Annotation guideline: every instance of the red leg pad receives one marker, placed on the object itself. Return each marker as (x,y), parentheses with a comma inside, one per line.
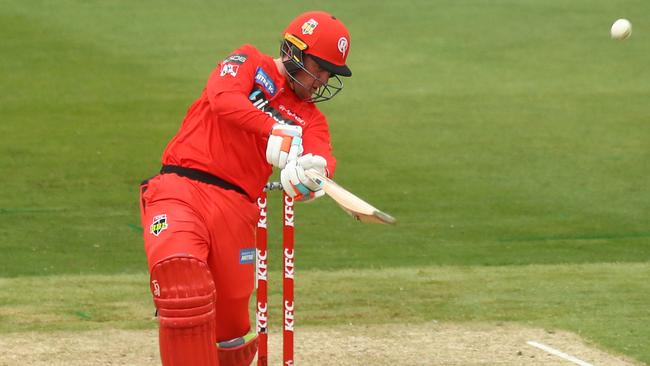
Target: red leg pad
(184,295)
(239,351)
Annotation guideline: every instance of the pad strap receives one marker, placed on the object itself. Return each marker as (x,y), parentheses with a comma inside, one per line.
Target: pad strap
(239,351)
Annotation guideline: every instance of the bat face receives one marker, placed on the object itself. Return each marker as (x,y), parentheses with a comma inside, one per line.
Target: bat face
(353,205)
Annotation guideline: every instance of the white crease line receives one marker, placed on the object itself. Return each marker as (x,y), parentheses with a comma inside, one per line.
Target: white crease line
(557,353)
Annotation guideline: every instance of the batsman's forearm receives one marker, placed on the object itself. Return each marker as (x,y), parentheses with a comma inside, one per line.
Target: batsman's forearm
(235,108)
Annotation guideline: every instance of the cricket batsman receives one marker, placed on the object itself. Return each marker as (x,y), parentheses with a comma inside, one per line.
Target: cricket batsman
(199,214)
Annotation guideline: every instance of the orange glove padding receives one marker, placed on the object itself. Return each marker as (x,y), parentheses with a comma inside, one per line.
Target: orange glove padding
(285,144)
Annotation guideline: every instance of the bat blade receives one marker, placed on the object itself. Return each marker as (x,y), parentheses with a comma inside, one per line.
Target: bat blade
(353,205)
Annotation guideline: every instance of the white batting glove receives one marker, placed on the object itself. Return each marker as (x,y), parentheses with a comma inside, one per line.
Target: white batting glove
(297,184)
(285,143)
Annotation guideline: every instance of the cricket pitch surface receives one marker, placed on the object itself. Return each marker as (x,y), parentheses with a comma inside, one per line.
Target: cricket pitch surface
(393,344)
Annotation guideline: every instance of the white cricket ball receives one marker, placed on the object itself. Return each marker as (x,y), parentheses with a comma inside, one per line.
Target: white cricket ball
(621,29)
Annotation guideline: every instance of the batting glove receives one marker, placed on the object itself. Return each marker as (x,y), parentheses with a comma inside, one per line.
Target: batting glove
(285,144)
(297,184)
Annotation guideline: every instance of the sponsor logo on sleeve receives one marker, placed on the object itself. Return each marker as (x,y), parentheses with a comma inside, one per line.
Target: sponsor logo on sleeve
(238,58)
(247,256)
(229,69)
(265,81)
(159,224)
(292,115)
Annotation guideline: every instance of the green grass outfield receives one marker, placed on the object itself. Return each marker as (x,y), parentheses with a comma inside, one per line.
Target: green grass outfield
(510,139)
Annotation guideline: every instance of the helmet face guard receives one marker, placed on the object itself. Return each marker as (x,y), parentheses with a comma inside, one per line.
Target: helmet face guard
(293,56)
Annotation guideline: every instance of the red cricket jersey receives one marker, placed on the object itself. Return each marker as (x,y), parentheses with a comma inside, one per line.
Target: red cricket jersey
(225,135)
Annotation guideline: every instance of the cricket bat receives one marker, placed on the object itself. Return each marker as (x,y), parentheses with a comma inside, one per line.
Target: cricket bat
(353,205)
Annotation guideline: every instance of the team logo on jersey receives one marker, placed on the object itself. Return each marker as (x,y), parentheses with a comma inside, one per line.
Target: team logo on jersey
(237,58)
(229,69)
(159,224)
(343,45)
(264,80)
(309,26)
(247,256)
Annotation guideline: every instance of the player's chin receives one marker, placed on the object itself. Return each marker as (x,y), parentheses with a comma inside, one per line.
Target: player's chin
(305,95)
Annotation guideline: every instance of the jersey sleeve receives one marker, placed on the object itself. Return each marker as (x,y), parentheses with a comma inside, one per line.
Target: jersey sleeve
(316,140)
(229,86)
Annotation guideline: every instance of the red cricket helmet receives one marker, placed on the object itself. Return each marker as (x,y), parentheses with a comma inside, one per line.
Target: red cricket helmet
(326,38)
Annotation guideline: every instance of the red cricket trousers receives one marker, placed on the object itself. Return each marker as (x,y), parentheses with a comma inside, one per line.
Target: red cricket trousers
(216,225)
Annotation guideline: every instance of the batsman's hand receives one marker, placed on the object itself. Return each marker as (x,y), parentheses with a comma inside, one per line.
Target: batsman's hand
(297,184)
(285,144)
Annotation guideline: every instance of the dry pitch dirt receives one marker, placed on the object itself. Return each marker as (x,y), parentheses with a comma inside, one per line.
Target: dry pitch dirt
(422,344)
